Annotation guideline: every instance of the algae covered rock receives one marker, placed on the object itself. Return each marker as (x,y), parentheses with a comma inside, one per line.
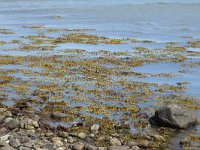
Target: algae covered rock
(174,116)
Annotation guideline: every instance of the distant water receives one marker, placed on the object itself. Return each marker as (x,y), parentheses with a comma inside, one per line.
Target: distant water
(162,20)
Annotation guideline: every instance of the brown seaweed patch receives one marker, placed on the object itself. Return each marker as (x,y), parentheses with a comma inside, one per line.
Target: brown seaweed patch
(5,31)
(85,39)
(36,47)
(194,44)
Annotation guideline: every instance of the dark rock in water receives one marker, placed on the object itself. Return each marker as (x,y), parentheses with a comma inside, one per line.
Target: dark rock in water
(58,115)
(174,116)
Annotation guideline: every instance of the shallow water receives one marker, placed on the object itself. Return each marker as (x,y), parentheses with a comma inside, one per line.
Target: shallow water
(159,21)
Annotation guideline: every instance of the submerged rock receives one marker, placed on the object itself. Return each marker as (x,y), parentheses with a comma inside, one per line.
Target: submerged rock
(174,116)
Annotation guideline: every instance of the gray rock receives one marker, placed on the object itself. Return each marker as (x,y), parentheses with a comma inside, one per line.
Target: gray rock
(174,116)
(118,148)
(115,142)
(14,142)
(12,124)
(7,119)
(78,146)
(58,115)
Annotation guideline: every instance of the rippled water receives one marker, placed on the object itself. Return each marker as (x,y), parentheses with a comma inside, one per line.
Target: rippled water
(158,20)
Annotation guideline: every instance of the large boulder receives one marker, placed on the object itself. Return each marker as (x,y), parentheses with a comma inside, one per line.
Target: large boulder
(174,116)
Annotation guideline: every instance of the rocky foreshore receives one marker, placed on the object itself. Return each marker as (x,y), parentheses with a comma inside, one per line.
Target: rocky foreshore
(23,131)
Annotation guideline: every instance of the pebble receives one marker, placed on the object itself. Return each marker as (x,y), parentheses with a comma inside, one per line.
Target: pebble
(131,143)
(95,128)
(78,146)
(71,140)
(135,148)
(58,144)
(49,134)
(54,139)
(115,142)
(118,148)
(92,135)
(28,144)
(82,135)
(144,144)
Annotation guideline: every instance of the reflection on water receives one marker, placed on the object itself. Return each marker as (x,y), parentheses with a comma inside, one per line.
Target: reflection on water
(157,21)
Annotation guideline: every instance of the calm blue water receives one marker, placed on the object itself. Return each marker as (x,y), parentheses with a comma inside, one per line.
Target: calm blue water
(161,20)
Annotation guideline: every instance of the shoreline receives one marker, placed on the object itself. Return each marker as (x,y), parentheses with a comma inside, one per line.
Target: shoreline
(21,130)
